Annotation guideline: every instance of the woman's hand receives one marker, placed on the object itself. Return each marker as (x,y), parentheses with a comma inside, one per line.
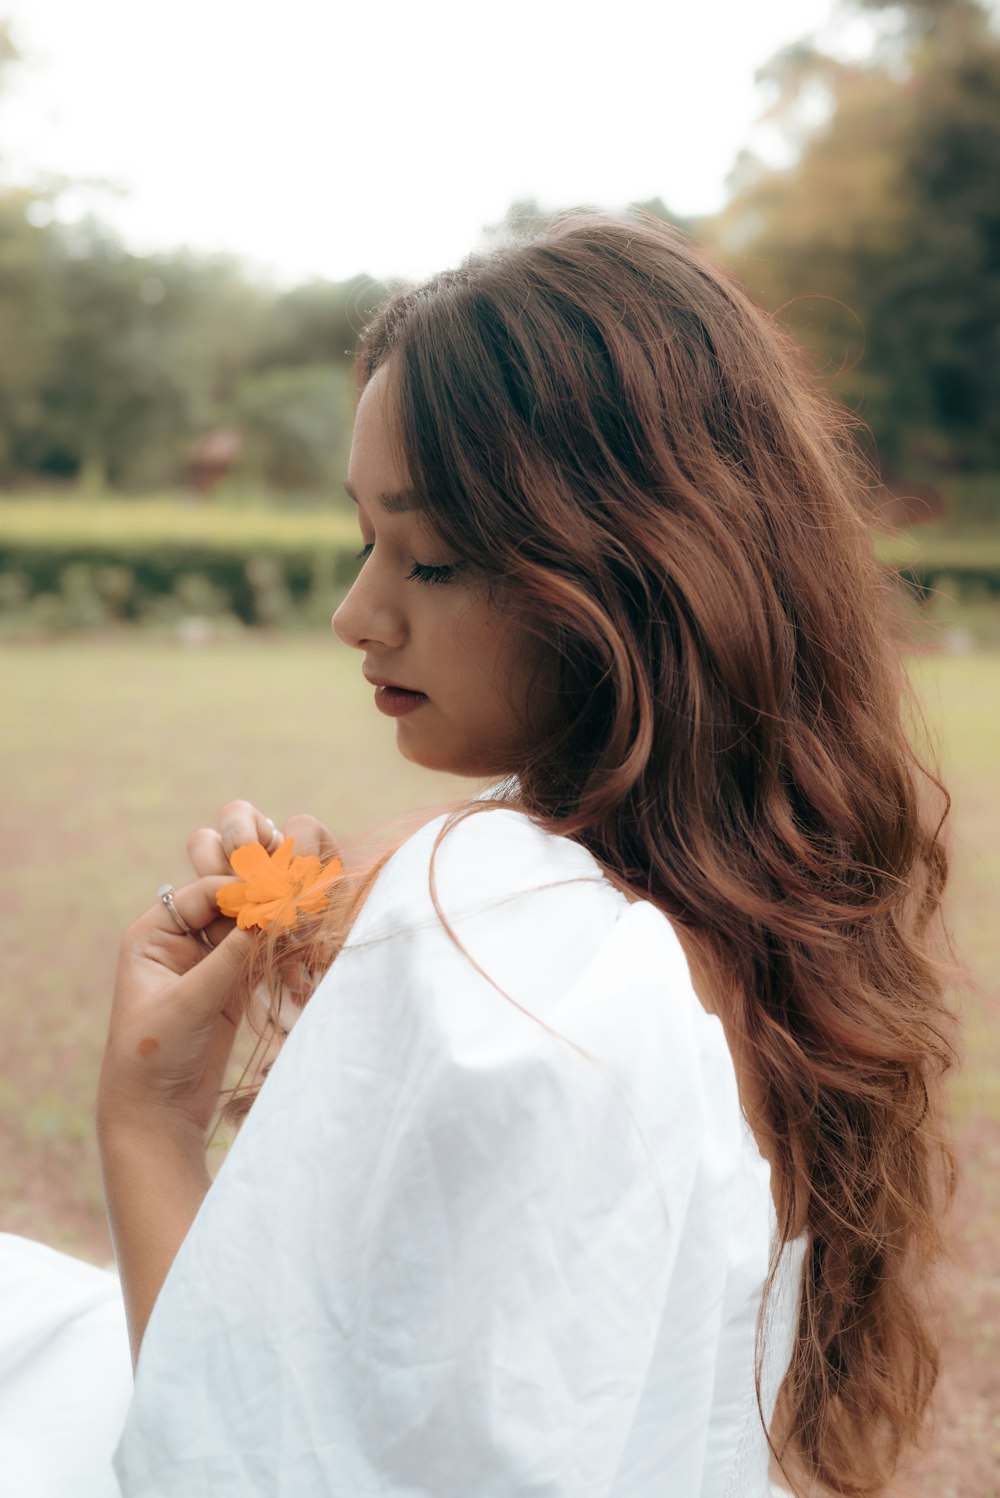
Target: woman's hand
(176,1009)
(176,1006)
(239,823)
(174,1016)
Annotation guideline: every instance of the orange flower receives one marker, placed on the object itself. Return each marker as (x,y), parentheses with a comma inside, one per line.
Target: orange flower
(275,888)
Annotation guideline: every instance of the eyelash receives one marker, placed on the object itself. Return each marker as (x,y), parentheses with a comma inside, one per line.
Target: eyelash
(421,572)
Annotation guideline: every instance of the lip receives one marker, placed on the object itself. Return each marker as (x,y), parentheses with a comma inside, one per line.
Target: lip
(396,701)
(383,681)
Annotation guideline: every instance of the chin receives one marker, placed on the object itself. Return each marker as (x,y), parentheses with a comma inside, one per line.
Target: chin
(447,761)
(428,756)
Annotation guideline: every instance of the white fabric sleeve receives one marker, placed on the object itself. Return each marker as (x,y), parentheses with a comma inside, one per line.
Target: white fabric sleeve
(435,1260)
(65,1373)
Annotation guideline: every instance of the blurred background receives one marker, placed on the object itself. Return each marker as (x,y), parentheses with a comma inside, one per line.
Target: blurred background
(201,207)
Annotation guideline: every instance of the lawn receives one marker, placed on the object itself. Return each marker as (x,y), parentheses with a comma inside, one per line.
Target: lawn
(113,750)
(110,754)
(139,524)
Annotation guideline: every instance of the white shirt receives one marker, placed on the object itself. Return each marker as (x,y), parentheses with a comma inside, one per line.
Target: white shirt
(65,1373)
(449,1255)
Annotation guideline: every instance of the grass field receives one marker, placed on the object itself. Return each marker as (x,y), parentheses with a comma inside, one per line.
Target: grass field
(136,524)
(112,751)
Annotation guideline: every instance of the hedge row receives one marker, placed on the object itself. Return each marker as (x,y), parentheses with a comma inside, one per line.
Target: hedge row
(67,562)
(272,569)
(136,525)
(928,557)
(78,584)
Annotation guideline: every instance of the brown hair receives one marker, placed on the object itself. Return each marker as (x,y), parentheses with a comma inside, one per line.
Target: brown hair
(601,421)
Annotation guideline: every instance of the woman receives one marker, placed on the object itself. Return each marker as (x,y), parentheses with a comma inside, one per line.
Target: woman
(618,1107)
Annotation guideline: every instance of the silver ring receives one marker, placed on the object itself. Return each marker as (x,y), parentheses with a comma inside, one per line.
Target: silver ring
(166,894)
(277,838)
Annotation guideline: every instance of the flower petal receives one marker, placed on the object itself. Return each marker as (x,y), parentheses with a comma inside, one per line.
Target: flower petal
(314,895)
(282,855)
(249,859)
(230,898)
(304,869)
(275,889)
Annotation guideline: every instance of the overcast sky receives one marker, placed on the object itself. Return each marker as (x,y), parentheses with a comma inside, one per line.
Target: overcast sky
(320,138)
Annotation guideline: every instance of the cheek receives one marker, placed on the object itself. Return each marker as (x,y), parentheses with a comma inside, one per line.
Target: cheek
(469,645)
(527,677)
(544,692)
(498,670)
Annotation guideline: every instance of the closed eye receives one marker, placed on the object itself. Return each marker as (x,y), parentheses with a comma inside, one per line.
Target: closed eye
(427,574)
(423,572)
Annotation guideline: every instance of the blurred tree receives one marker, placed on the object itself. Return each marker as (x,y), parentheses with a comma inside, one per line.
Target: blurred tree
(657,208)
(525,216)
(296,424)
(936,18)
(318,323)
(9,51)
(881,242)
(26,300)
(113,366)
(147,349)
(28,323)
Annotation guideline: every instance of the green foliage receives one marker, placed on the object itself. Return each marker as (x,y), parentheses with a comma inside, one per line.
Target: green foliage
(525,217)
(881,243)
(28,325)
(931,17)
(114,365)
(318,323)
(67,566)
(952,581)
(297,422)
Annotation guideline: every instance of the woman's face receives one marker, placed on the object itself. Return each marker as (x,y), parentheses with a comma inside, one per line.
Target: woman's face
(469,690)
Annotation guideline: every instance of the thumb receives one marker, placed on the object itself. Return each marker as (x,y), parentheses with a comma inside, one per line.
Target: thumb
(213,982)
(218,976)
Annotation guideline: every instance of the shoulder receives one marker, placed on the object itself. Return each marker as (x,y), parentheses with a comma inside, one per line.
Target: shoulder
(493,904)
(527,996)
(477,860)
(527,928)
(543,912)
(481,904)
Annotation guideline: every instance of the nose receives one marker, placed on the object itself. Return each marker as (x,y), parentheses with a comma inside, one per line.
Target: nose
(368,615)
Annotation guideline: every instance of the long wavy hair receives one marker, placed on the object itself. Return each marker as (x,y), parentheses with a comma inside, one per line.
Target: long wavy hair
(601,422)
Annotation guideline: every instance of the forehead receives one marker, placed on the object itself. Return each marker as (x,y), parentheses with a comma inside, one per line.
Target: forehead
(377,464)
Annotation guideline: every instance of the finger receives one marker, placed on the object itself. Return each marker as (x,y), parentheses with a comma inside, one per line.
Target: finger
(240,823)
(207,857)
(212,978)
(311,836)
(206,852)
(194,904)
(214,934)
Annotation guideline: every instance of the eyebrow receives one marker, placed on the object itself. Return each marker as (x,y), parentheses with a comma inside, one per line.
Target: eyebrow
(393,504)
